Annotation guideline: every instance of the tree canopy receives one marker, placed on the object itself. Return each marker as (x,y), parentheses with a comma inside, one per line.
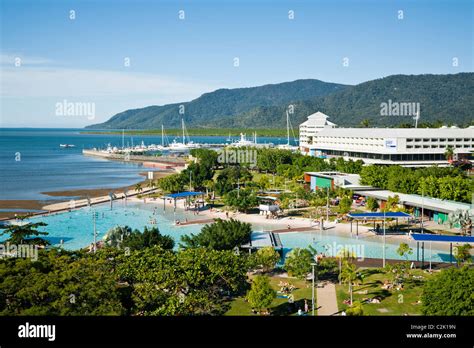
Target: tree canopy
(449,293)
(221,235)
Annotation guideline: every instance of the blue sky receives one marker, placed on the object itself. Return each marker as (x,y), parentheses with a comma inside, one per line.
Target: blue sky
(171,59)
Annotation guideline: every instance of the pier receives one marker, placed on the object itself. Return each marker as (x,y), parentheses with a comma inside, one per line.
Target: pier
(164,161)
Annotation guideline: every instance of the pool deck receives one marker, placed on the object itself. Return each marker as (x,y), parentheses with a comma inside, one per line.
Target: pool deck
(296,229)
(74,204)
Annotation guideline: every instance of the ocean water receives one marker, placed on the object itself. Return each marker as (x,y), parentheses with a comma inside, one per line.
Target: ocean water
(32,162)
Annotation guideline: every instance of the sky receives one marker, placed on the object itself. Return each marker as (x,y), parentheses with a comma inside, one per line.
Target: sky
(124,54)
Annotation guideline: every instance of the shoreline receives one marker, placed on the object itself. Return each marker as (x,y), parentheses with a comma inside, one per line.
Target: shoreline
(96,195)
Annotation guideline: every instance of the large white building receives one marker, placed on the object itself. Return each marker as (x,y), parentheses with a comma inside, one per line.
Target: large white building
(403,146)
(315,123)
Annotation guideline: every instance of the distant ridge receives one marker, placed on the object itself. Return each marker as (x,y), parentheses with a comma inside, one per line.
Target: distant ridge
(447,99)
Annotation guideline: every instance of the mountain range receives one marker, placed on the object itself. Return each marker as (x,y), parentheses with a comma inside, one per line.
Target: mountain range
(443,99)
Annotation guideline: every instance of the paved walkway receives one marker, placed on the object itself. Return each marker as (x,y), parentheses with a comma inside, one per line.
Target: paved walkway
(327,301)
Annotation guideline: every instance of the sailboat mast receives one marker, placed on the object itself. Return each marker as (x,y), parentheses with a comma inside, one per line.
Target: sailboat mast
(123,138)
(182,124)
(288,126)
(162,136)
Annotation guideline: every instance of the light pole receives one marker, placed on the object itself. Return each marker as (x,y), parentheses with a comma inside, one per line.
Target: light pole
(383,264)
(422,207)
(95,215)
(313,264)
(327,205)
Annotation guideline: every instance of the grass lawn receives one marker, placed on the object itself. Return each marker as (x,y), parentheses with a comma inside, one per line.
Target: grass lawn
(393,302)
(280,306)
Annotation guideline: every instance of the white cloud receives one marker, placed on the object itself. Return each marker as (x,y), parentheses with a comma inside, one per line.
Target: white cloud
(29,93)
(64,82)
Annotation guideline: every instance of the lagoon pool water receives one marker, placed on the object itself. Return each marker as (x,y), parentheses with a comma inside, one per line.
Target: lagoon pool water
(329,243)
(75,228)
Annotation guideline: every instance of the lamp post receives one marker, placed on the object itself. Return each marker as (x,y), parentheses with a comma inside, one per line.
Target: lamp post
(422,207)
(327,205)
(383,254)
(312,290)
(190,182)
(95,215)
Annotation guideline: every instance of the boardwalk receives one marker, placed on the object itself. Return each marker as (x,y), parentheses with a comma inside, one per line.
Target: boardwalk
(327,300)
(296,229)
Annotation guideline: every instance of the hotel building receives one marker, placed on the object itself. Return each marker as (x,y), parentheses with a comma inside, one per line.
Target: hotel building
(315,123)
(404,146)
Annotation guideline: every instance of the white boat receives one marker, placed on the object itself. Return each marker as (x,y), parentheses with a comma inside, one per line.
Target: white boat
(183,145)
(244,141)
(287,146)
(66,145)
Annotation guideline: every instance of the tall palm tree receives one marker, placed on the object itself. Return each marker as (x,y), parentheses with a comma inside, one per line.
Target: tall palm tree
(21,233)
(449,153)
(365,123)
(350,276)
(344,255)
(138,187)
(151,184)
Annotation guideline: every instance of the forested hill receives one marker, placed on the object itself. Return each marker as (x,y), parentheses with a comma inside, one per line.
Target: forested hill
(219,105)
(443,99)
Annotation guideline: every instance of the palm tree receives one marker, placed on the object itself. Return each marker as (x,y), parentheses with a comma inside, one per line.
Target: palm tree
(365,123)
(344,255)
(138,187)
(350,276)
(449,153)
(151,184)
(20,233)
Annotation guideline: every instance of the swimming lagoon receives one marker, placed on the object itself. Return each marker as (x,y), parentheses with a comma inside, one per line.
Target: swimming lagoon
(76,230)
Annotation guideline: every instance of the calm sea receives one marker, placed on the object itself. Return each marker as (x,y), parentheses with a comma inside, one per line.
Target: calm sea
(32,162)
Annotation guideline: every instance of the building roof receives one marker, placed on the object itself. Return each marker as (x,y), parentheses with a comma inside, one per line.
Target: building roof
(423,237)
(344,180)
(318,119)
(398,132)
(434,204)
(184,194)
(378,216)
